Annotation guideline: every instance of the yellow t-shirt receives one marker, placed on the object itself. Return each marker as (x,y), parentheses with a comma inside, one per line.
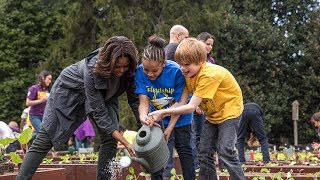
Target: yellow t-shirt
(129,135)
(221,94)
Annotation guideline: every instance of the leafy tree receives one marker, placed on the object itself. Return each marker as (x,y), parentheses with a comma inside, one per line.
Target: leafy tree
(268,62)
(26,29)
(271,47)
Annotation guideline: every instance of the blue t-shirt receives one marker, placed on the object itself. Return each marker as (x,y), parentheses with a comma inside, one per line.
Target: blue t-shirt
(163,91)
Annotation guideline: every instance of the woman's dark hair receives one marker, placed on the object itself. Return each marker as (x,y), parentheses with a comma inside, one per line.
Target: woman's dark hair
(154,51)
(115,48)
(205,36)
(315,117)
(41,77)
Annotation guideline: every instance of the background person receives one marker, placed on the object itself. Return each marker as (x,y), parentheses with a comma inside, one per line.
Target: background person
(315,120)
(177,34)
(37,98)
(25,120)
(14,126)
(6,132)
(89,88)
(252,120)
(127,134)
(208,39)
(84,135)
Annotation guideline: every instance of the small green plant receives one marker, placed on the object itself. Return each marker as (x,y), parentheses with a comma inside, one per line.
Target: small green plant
(314,176)
(289,175)
(3,143)
(132,175)
(23,138)
(265,170)
(47,160)
(15,158)
(277,176)
(65,159)
(244,167)
(93,157)
(174,175)
(259,178)
(82,158)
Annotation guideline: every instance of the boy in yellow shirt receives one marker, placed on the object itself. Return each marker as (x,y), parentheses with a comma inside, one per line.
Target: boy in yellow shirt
(127,134)
(217,93)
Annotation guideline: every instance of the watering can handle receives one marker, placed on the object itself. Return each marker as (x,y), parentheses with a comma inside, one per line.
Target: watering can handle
(144,135)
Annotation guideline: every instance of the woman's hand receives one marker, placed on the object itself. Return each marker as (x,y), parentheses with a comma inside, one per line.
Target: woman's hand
(130,149)
(45,98)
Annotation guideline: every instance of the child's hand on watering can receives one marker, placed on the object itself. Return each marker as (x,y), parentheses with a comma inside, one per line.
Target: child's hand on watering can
(199,111)
(151,122)
(156,115)
(148,121)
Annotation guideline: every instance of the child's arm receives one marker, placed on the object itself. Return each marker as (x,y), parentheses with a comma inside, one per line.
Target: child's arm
(143,111)
(184,109)
(172,123)
(143,108)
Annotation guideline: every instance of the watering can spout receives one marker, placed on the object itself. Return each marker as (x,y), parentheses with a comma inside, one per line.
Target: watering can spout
(141,161)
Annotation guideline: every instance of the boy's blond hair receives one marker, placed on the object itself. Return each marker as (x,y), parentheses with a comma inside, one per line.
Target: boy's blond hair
(190,51)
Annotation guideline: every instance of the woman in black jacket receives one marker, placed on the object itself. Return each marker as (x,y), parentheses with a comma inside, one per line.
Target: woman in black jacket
(91,88)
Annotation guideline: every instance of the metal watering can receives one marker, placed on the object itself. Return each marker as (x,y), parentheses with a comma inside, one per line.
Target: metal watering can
(151,149)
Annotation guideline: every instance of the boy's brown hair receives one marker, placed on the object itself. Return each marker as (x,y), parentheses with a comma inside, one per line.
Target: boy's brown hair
(190,51)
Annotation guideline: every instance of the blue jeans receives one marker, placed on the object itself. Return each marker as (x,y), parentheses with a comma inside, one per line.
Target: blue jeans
(36,122)
(221,138)
(79,144)
(197,124)
(180,138)
(254,120)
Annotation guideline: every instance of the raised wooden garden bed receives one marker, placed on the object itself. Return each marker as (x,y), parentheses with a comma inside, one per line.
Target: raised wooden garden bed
(41,174)
(275,169)
(272,176)
(88,171)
